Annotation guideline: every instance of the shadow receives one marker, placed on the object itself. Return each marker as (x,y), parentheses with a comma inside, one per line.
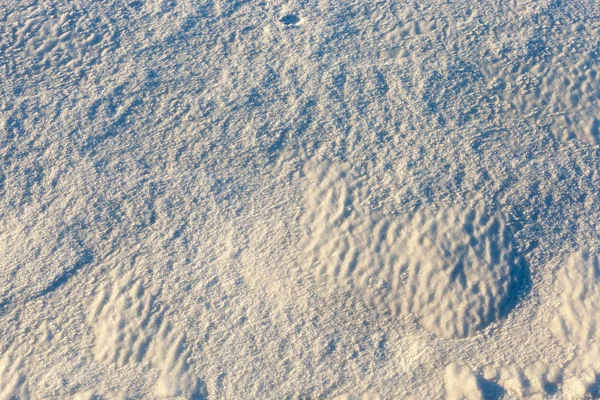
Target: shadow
(277,146)
(551,388)
(290,19)
(594,389)
(201,393)
(380,351)
(86,258)
(520,285)
(490,390)
(4,303)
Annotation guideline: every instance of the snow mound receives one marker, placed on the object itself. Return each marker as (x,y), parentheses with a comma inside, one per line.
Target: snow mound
(130,327)
(577,283)
(461,383)
(13,383)
(457,268)
(535,380)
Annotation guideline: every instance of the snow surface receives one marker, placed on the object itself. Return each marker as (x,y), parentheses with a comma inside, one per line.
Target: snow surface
(241,199)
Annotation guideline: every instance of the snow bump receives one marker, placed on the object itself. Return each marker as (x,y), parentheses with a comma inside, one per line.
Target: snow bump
(456,269)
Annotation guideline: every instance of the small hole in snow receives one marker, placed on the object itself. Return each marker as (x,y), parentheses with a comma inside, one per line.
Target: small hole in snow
(290,19)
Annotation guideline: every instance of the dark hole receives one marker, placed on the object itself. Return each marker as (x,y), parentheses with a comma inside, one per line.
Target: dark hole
(290,19)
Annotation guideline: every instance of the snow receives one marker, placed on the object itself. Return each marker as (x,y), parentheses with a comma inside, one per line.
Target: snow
(299,199)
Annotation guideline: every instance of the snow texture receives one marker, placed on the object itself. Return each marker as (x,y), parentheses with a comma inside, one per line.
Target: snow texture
(303,199)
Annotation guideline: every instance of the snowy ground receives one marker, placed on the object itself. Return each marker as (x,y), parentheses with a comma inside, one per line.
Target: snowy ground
(238,199)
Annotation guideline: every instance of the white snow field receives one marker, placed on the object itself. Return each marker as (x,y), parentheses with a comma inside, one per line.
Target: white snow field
(303,199)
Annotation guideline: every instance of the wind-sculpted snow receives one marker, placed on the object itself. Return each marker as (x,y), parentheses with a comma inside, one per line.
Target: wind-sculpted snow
(576,321)
(306,199)
(130,327)
(13,382)
(457,268)
(461,383)
(53,38)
